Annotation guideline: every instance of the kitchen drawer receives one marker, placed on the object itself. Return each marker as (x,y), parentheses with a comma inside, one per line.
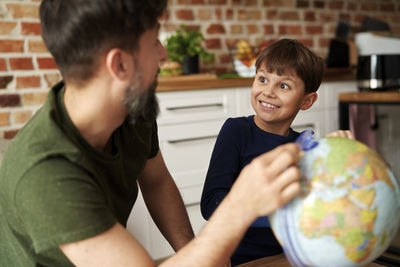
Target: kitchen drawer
(187,150)
(187,106)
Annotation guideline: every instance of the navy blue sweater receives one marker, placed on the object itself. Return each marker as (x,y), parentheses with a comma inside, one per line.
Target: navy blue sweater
(238,143)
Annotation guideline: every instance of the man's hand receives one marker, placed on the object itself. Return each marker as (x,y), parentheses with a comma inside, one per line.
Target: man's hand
(341,133)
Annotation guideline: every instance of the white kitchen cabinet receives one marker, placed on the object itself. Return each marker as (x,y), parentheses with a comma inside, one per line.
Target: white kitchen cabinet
(186,149)
(188,125)
(330,102)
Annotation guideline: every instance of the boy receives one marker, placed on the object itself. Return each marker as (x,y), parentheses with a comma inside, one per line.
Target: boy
(287,78)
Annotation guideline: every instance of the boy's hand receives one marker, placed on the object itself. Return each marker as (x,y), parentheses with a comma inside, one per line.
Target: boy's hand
(341,133)
(268,182)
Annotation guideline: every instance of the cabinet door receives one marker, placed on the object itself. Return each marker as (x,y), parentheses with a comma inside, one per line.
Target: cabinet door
(187,150)
(243,102)
(330,102)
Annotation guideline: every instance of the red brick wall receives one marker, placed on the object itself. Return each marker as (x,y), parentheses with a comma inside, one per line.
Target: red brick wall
(313,22)
(27,70)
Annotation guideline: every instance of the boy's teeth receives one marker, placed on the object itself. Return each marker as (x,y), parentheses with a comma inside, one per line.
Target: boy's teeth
(267,105)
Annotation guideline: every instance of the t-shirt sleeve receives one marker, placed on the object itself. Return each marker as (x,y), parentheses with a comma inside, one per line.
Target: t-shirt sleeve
(223,169)
(60,203)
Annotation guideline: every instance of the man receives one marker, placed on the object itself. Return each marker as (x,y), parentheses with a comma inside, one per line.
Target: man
(68,179)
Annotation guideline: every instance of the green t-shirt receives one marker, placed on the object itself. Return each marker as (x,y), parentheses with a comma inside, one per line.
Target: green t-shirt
(55,188)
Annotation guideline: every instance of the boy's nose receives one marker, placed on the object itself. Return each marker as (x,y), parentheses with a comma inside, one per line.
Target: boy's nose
(268,90)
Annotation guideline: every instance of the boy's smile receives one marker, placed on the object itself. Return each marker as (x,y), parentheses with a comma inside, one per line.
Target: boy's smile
(276,99)
(268,106)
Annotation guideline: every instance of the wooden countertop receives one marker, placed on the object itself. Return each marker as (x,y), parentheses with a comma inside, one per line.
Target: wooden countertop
(200,81)
(371,97)
(211,81)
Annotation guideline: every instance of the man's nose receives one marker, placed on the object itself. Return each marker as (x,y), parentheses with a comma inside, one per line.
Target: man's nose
(162,52)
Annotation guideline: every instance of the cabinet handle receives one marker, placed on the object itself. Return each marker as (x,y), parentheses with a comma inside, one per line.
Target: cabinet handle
(196,106)
(191,139)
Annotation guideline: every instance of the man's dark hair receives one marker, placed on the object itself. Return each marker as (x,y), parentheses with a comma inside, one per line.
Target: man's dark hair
(78,32)
(290,54)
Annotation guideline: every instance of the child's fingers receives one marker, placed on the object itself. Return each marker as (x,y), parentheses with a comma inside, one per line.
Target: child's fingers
(345,134)
(341,133)
(333,134)
(349,135)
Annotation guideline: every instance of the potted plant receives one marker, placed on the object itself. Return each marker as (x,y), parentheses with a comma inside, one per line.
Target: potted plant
(185,47)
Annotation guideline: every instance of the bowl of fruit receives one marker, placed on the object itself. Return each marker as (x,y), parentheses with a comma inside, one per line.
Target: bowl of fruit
(244,59)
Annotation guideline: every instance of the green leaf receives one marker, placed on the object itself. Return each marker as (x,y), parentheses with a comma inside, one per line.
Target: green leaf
(186,42)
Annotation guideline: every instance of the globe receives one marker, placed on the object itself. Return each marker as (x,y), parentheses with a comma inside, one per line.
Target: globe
(348,210)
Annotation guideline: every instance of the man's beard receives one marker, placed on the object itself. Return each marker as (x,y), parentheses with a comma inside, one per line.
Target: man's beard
(141,103)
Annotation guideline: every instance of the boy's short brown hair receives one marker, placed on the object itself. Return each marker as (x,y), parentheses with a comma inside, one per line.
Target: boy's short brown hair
(290,54)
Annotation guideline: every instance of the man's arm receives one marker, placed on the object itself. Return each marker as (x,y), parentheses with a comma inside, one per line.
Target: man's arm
(115,247)
(264,185)
(165,203)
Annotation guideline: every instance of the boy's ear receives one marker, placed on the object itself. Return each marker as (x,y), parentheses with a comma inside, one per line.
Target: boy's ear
(119,64)
(309,100)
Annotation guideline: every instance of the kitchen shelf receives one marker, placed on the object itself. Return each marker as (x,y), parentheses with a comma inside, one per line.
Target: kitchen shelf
(211,81)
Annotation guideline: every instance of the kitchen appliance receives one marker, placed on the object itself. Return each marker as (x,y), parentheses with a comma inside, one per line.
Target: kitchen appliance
(378,66)
(339,51)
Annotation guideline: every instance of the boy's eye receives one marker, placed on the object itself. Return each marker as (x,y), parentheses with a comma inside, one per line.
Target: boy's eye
(284,86)
(262,79)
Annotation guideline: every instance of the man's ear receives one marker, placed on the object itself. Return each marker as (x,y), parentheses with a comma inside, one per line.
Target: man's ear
(119,64)
(309,100)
